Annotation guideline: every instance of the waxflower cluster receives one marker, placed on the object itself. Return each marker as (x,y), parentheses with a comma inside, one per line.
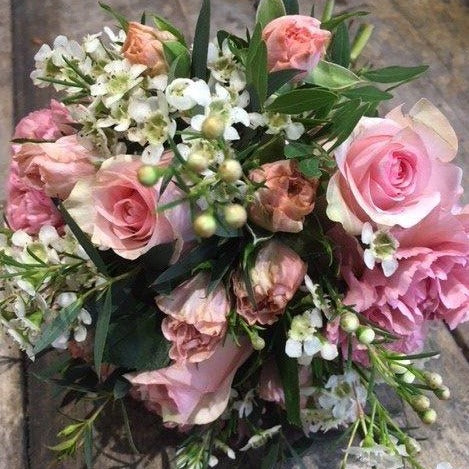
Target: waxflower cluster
(230,234)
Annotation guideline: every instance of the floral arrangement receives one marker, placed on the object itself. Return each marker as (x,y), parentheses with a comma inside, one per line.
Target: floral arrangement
(230,234)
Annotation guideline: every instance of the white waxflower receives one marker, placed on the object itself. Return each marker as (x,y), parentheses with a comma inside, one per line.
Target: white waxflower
(183,94)
(21,239)
(118,117)
(94,48)
(246,405)
(61,342)
(261,438)
(117,38)
(371,457)
(382,249)
(224,67)
(158,83)
(277,123)
(119,78)
(320,300)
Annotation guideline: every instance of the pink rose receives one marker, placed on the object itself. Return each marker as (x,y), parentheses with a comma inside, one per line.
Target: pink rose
(54,167)
(188,394)
(197,319)
(276,276)
(395,171)
(295,42)
(28,209)
(286,198)
(121,214)
(144,45)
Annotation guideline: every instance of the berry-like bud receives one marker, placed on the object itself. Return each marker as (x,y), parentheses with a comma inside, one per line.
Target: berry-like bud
(258,343)
(434,380)
(413,446)
(205,225)
(349,322)
(420,403)
(443,393)
(198,161)
(366,335)
(398,369)
(213,127)
(429,417)
(235,215)
(148,175)
(230,171)
(408,377)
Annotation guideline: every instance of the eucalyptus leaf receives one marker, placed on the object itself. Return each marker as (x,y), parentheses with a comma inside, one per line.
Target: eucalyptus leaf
(332,76)
(302,100)
(395,74)
(201,41)
(269,10)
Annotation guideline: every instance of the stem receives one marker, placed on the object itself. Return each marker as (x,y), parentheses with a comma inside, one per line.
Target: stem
(327,12)
(361,39)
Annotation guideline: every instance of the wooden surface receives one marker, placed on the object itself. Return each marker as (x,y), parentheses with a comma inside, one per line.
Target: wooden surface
(407,32)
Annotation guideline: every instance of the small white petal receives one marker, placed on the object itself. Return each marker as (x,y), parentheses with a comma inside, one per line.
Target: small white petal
(389,266)
(79,334)
(197,122)
(199,91)
(369,259)
(21,239)
(66,299)
(295,130)
(257,120)
(329,351)
(367,233)
(48,235)
(85,317)
(231,134)
(152,154)
(312,346)
(293,348)
(61,342)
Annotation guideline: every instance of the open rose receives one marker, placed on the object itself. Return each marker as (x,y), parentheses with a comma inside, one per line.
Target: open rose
(121,214)
(295,42)
(144,45)
(54,167)
(395,171)
(197,319)
(286,198)
(276,276)
(188,394)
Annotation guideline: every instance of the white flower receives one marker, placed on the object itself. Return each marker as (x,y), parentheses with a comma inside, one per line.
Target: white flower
(119,78)
(183,94)
(224,67)
(118,117)
(116,38)
(61,342)
(48,235)
(93,47)
(66,299)
(261,438)
(246,405)
(277,123)
(378,455)
(383,247)
(320,300)
(21,239)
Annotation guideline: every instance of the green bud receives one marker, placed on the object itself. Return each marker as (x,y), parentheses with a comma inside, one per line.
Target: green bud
(443,393)
(398,369)
(205,225)
(420,403)
(148,175)
(198,161)
(230,171)
(408,377)
(213,127)
(235,215)
(349,322)
(412,446)
(434,380)
(258,343)
(428,417)
(365,335)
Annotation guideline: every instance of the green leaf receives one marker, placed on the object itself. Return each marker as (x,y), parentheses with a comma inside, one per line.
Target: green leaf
(278,79)
(58,326)
(256,69)
(340,46)
(221,265)
(102,328)
(84,241)
(395,74)
(332,76)
(271,459)
(88,447)
(291,7)
(336,20)
(268,151)
(165,25)
(121,19)
(368,93)
(178,56)
(269,10)
(302,100)
(201,40)
(310,168)
(295,150)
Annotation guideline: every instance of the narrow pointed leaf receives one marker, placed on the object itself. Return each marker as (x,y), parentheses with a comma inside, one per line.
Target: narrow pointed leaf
(269,10)
(201,40)
(291,7)
(302,100)
(395,74)
(102,328)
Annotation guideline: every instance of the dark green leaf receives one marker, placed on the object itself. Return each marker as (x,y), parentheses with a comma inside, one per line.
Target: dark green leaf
(395,74)
(368,93)
(256,69)
(340,46)
(269,10)
(310,168)
(302,100)
(201,40)
(277,79)
(271,459)
(102,328)
(128,430)
(332,76)
(165,25)
(121,19)
(58,326)
(336,20)
(143,18)
(88,447)
(221,265)
(180,67)
(269,151)
(291,7)
(173,49)
(121,388)
(298,150)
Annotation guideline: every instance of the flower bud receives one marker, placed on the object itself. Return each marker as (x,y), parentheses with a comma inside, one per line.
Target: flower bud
(349,322)
(413,446)
(213,127)
(434,380)
(258,343)
(148,175)
(428,417)
(205,225)
(235,215)
(366,335)
(420,403)
(443,393)
(198,161)
(408,377)
(230,171)
(398,369)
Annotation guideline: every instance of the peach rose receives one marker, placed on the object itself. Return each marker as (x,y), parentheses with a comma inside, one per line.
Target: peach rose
(120,213)
(395,171)
(295,42)
(54,167)
(276,276)
(286,198)
(192,394)
(144,45)
(197,320)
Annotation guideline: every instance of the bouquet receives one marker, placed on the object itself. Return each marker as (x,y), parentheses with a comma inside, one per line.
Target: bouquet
(231,234)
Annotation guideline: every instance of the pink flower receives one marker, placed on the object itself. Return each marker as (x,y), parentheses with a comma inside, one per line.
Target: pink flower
(28,209)
(54,167)
(197,319)
(121,214)
(276,276)
(188,394)
(286,198)
(395,171)
(295,42)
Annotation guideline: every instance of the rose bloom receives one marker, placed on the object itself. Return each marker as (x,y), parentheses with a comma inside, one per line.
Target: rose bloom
(54,167)
(395,171)
(295,42)
(144,45)
(286,198)
(188,393)
(121,214)
(276,276)
(197,319)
